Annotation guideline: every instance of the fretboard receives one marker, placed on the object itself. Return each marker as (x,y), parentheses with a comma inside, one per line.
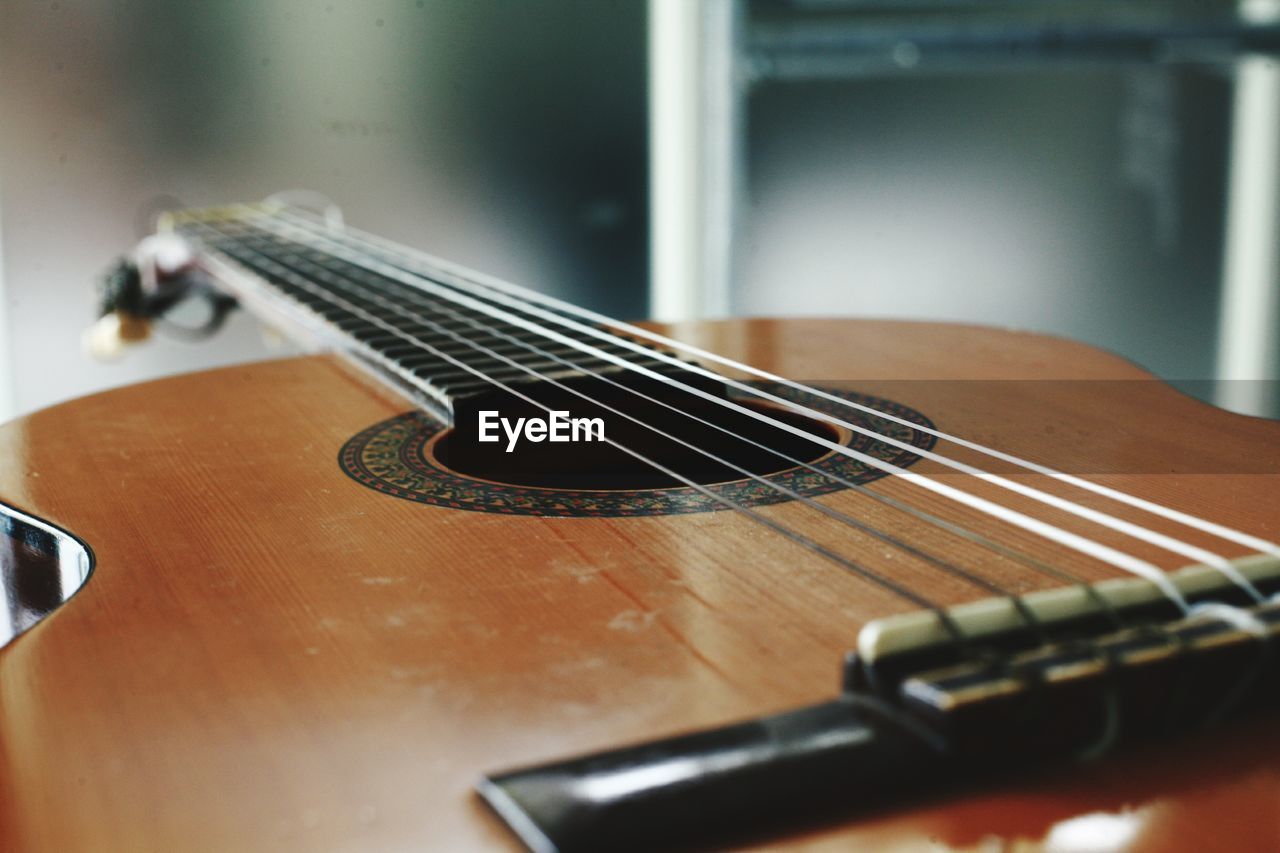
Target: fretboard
(408,326)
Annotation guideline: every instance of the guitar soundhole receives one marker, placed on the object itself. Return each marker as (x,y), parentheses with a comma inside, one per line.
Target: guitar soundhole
(413,457)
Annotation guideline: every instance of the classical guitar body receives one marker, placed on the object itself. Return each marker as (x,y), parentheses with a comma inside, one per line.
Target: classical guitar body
(287,645)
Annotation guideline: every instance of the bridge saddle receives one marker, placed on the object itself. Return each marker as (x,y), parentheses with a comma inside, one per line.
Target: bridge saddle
(1082,697)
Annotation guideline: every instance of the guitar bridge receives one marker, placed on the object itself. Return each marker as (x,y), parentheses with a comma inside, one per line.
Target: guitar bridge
(919,710)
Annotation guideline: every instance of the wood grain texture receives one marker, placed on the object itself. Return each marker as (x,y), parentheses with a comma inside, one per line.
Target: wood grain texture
(270,656)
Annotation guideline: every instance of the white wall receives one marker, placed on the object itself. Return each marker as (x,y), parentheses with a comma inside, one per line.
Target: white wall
(509,137)
(1079,203)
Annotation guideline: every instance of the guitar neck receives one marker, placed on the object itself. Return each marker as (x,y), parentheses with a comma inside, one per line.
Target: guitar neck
(427,332)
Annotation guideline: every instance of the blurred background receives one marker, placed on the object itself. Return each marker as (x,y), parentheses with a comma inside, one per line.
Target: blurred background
(1105,171)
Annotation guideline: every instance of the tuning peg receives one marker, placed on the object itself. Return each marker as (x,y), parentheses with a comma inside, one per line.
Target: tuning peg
(113,334)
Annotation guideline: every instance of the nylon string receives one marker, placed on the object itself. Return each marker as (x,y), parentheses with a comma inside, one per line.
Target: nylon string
(1074,541)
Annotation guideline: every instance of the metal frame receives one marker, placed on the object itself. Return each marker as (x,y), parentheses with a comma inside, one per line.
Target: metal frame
(704,55)
(695,140)
(1249,322)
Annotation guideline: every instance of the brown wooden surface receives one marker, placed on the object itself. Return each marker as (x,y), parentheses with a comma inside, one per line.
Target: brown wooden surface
(270,656)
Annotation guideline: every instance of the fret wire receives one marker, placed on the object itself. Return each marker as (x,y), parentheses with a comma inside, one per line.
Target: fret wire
(507,337)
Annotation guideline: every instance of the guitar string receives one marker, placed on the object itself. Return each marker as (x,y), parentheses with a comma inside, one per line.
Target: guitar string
(397,308)
(1144,569)
(492,354)
(329,277)
(1079,543)
(357,290)
(1100,603)
(945,618)
(1219,563)
(1093,548)
(437,266)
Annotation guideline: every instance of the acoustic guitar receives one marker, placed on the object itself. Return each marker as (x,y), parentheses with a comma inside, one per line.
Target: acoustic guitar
(490,571)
